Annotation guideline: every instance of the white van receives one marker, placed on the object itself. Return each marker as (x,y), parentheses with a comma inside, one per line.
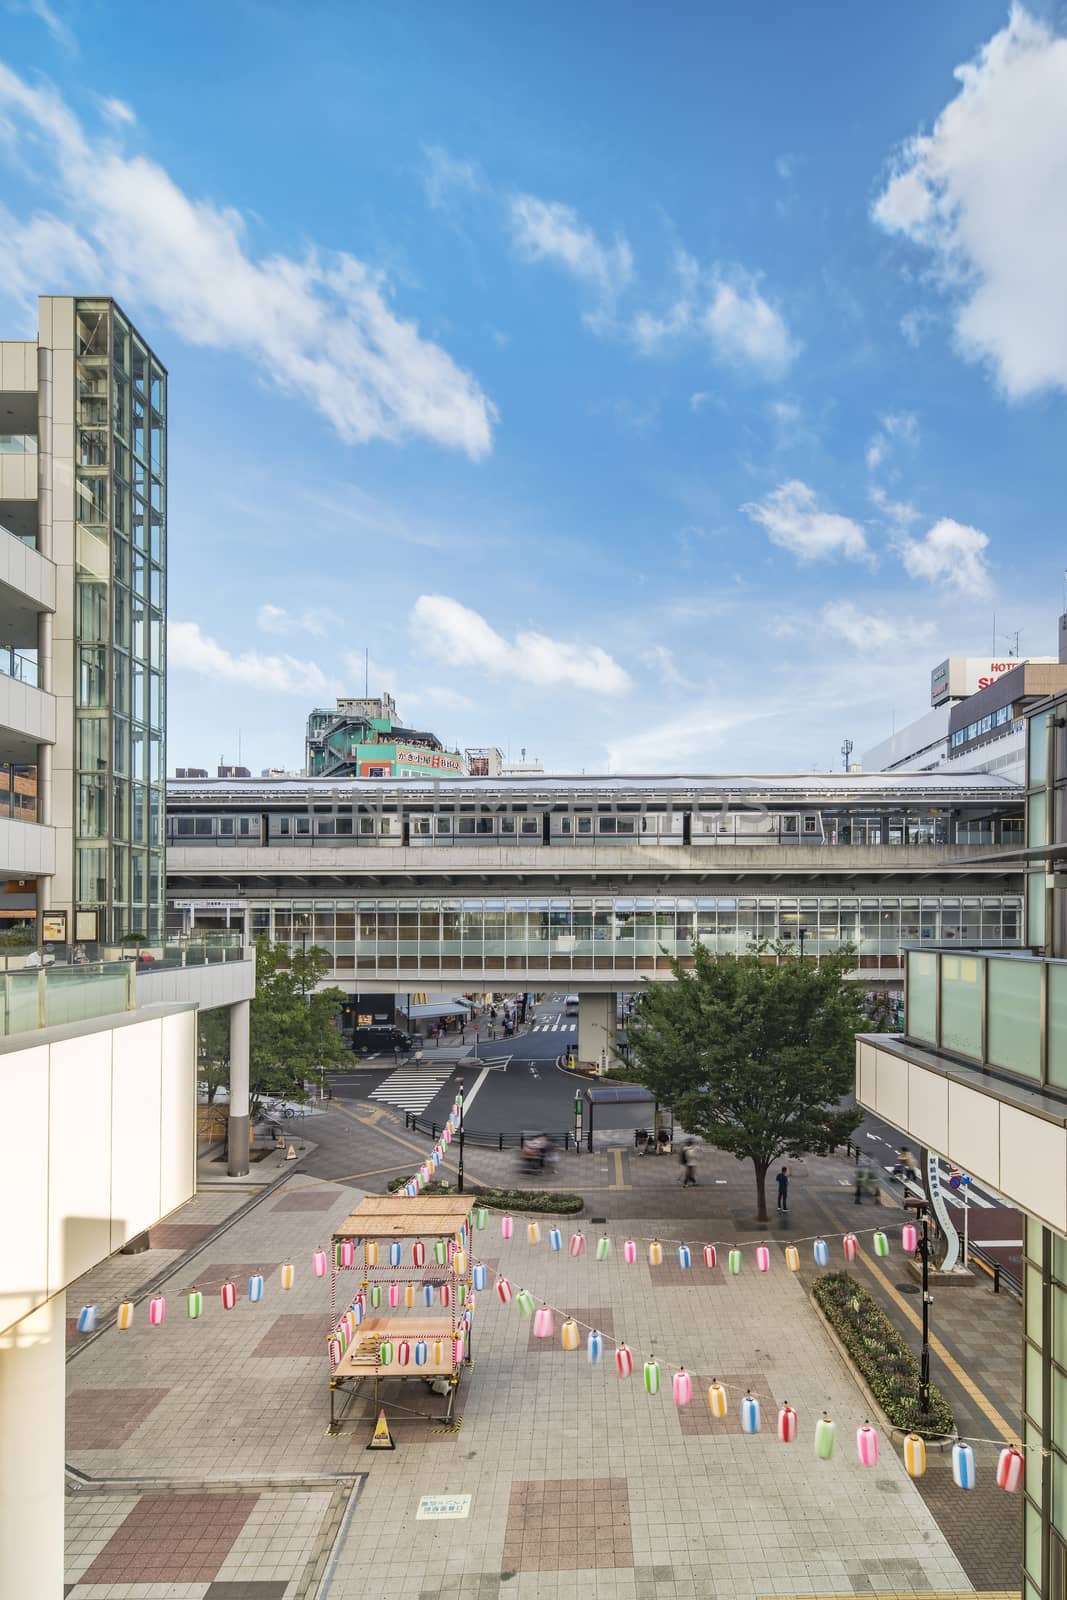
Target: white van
(570,1004)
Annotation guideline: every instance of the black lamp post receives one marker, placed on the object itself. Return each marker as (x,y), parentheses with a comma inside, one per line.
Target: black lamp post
(802,934)
(459,1097)
(922,1217)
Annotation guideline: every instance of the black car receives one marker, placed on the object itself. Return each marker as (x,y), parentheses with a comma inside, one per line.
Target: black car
(369,1040)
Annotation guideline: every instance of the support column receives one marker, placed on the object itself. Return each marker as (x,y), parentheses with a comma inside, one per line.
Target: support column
(596,1029)
(237,1127)
(32,1411)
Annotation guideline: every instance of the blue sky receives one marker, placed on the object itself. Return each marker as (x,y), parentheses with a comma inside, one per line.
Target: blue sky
(654,388)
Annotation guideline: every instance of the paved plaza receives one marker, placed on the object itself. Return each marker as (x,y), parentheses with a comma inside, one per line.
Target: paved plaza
(201,1464)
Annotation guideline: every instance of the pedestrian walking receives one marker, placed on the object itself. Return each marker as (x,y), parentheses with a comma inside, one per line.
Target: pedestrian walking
(782,1180)
(688,1158)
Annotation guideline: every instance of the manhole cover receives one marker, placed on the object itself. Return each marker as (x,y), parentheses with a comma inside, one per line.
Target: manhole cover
(908,1288)
(595,1220)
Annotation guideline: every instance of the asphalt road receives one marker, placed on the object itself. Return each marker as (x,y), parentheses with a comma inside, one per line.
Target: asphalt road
(512,1085)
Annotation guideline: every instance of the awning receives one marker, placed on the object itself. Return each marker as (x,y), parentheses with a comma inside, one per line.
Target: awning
(438,1008)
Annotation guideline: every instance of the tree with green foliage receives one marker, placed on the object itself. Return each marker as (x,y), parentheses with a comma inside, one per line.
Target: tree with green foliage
(295,1031)
(755,1053)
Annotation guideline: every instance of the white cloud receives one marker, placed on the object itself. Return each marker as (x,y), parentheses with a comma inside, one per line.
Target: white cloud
(698,400)
(951,554)
(866,631)
(445,178)
(900,513)
(320,326)
(462,637)
(60,31)
(682,743)
(275,619)
(901,427)
(118,111)
(725,306)
(792,518)
(190,650)
(986,194)
(547,230)
(661,660)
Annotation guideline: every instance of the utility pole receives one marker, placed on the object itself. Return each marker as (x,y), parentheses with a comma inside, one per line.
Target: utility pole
(846,752)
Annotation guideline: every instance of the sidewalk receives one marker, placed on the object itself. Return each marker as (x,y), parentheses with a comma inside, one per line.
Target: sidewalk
(580,1484)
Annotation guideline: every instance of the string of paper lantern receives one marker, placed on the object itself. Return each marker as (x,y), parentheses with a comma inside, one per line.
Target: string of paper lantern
(850,1246)
(1010,1461)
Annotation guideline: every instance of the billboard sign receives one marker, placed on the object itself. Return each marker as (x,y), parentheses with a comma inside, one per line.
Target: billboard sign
(961,676)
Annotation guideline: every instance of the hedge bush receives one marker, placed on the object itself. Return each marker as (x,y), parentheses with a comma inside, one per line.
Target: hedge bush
(506,1199)
(888,1366)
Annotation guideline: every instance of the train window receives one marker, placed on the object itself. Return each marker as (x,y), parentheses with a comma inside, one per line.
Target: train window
(342,825)
(563,824)
(607,824)
(444,825)
(303,825)
(385,826)
(533,824)
(226,827)
(789,824)
(466,825)
(183,827)
(485,824)
(507,824)
(420,826)
(366,825)
(282,824)
(585,824)
(625,825)
(247,825)
(811,824)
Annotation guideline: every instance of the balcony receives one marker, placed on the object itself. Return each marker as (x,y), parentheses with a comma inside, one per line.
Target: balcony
(45,997)
(1003,1013)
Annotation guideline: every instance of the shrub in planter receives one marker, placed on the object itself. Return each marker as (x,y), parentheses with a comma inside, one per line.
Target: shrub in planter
(506,1199)
(888,1366)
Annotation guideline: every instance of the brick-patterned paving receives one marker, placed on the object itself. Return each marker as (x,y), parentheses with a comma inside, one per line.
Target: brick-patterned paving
(250,1589)
(595,1316)
(563,1524)
(696,1418)
(306,1200)
(172,1538)
(103,1419)
(179,1235)
(300,1334)
(212,1275)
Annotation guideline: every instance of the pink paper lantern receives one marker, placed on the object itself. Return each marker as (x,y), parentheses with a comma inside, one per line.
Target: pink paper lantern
(578,1244)
(683,1388)
(318,1263)
(507,1225)
(850,1244)
(157,1310)
(867,1445)
(394,1296)
(1010,1469)
(787,1424)
(711,1258)
(446,1294)
(544,1325)
(763,1258)
(629,1252)
(909,1238)
(624,1361)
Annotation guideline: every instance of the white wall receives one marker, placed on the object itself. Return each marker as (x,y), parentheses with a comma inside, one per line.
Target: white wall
(1021,1155)
(105,1146)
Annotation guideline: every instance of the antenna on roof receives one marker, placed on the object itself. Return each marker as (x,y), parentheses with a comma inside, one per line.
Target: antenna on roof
(846,752)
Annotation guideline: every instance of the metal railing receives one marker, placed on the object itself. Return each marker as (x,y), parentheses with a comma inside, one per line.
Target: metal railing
(486,1141)
(18,665)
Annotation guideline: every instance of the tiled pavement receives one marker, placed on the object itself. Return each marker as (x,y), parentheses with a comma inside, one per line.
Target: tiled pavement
(710,1512)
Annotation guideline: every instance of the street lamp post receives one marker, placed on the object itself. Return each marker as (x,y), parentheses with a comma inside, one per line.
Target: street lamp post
(802,934)
(922,1217)
(459,1097)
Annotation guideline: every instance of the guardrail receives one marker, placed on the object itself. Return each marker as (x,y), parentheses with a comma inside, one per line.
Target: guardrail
(487,1141)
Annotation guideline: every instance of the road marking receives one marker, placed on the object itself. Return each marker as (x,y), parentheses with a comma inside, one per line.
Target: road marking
(468,1099)
(990,1244)
(411,1088)
(397,1138)
(618,1184)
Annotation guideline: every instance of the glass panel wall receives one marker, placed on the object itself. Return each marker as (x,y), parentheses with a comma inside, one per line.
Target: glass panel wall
(1014,1016)
(961,1005)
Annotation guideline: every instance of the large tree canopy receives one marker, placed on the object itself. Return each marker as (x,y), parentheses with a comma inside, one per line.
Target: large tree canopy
(755,1053)
(294,1027)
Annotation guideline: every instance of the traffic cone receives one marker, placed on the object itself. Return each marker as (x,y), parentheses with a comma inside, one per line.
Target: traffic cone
(290,1154)
(383,1439)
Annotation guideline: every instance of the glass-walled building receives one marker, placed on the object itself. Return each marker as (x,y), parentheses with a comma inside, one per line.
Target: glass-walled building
(121,542)
(980,1077)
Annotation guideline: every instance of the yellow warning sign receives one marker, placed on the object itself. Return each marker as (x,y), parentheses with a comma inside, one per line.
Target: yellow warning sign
(383,1439)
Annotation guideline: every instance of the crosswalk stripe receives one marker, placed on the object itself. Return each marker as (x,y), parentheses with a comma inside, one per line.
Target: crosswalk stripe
(410,1090)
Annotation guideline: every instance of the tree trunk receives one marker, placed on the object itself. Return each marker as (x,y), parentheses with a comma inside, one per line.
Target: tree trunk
(761,1191)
